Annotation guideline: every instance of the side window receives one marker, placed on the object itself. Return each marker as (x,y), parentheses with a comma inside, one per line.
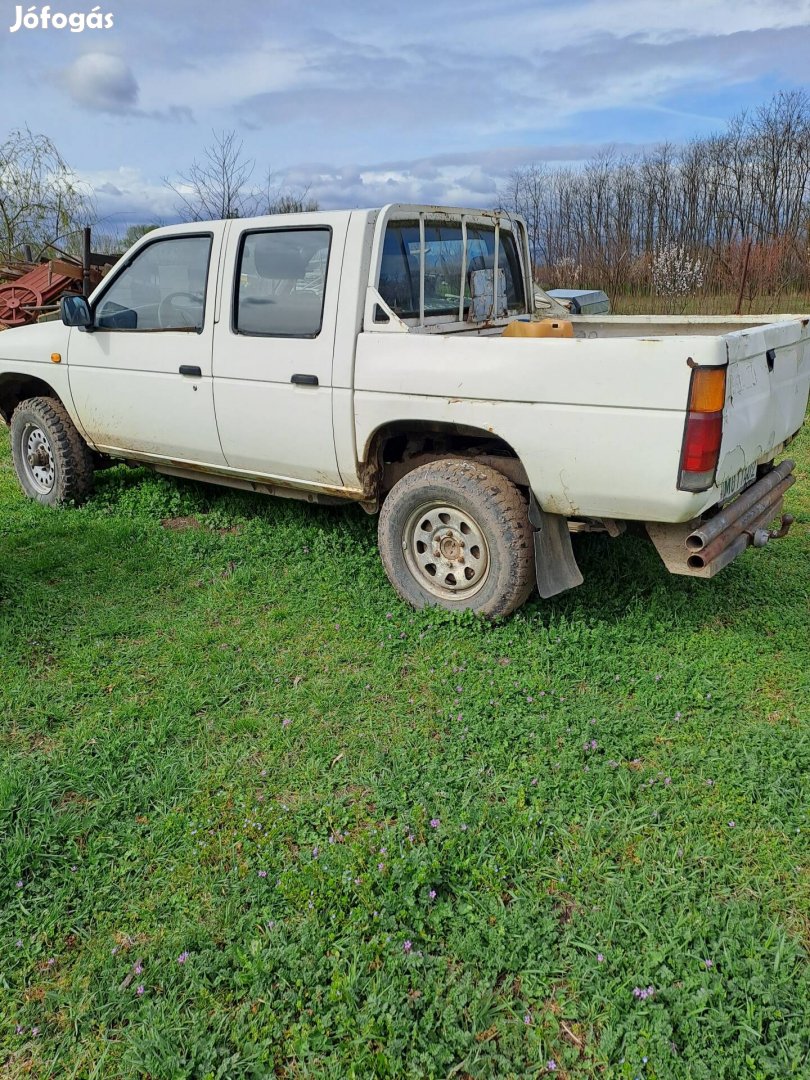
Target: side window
(280,282)
(162,289)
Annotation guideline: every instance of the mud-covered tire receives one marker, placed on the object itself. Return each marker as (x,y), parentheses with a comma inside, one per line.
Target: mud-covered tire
(456,534)
(53,463)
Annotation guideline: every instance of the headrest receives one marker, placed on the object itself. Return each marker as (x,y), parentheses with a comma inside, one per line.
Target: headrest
(284,257)
(279,260)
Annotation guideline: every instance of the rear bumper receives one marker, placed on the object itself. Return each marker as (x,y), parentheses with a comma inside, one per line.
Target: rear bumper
(704,546)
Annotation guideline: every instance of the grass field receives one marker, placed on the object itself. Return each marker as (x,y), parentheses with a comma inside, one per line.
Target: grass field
(644,303)
(257,818)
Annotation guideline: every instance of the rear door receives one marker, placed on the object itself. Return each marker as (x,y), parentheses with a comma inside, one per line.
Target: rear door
(273,349)
(140,377)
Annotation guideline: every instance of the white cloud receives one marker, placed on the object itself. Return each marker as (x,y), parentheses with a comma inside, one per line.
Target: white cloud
(101,82)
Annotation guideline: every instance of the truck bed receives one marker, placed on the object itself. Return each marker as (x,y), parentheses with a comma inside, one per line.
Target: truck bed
(598,424)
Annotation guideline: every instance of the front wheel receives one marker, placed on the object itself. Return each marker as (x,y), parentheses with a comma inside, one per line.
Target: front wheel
(53,463)
(457,535)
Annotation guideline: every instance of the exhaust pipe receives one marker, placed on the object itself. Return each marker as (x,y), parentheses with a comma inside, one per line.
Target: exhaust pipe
(702,549)
(746,527)
(757,494)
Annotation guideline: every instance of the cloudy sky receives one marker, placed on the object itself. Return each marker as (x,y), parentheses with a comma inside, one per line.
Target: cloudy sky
(368,103)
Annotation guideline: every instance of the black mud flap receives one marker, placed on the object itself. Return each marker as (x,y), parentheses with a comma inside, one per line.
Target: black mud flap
(555,565)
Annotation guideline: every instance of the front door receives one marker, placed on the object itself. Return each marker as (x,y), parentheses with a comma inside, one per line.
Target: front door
(274,347)
(140,377)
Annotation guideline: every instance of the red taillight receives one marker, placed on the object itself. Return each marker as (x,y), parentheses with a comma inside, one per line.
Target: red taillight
(704,429)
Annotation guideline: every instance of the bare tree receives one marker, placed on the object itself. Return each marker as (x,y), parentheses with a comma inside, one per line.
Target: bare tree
(216,186)
(43,205)
(709,199)
(279,200)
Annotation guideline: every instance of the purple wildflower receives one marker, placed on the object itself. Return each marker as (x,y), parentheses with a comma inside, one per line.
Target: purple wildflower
(286,721)
(181,959)
(262,873)
(643,992)
(19,884)
(138,968)
(432,894)
(407,946)
(708,964)
(527,1019)
(551,1065)
(316,852)
(600,959)
(139,989)
(732,824)
(435,823)
(19,1029)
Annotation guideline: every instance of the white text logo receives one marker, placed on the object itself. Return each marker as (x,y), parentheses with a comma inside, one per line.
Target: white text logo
(43,19)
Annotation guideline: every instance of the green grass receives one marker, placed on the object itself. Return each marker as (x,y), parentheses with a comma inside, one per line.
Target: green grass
(231,740)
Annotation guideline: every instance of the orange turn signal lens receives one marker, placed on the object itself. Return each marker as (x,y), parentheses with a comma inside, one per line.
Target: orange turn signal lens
(56,358)
(707,393)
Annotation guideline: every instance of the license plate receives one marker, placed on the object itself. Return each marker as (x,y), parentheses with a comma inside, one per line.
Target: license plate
(732,484)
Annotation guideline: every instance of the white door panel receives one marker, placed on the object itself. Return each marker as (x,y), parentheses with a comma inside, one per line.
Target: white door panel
(274,347)
(125,375)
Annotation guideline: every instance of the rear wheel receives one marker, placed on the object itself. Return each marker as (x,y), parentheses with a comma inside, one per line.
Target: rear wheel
(457,535)
(53,463)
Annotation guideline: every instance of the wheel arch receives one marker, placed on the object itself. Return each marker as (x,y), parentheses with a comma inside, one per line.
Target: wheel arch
(16,387)
(396,447)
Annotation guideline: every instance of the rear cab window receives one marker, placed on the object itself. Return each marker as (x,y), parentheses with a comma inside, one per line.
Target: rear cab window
(446,263)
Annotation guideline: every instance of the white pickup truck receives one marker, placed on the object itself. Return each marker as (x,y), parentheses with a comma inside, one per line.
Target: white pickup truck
(371,356)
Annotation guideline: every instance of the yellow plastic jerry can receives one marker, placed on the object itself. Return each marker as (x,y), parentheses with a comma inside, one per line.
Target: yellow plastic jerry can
(540,328)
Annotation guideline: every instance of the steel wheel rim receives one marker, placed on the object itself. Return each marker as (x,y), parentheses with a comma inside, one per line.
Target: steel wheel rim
(446,551)
(38,459)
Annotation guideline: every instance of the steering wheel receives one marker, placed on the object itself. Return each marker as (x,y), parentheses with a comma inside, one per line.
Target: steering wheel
(167,313)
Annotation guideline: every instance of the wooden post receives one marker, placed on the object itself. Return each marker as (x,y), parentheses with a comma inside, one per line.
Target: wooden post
(86,262)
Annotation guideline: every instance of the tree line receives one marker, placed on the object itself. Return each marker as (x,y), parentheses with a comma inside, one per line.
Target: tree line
(736,202)
(728,212)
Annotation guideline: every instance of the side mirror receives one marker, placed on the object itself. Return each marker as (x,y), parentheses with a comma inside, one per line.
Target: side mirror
(75,311)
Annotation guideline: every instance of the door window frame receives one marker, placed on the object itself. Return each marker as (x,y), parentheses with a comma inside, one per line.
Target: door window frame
(238,274)
(129,262)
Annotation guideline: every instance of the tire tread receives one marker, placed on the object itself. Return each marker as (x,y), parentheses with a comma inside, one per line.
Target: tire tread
(73,457)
